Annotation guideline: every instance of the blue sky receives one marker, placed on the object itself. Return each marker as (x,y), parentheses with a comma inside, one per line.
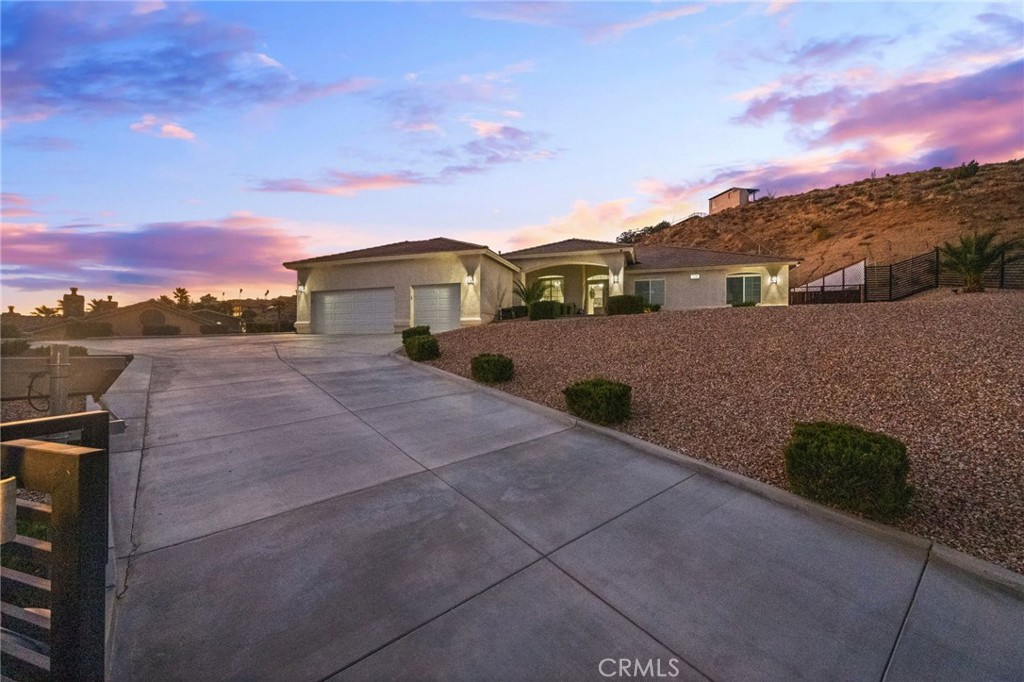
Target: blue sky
(152,145)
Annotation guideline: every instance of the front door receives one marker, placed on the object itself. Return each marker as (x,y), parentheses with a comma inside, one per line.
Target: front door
(596,291)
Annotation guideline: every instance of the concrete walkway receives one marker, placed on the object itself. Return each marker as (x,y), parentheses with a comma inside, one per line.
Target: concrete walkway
(309,508)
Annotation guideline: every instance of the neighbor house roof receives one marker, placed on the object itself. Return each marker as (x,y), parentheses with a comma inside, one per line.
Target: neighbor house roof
(567,246)
(121,311)
(396,250)
(677,257)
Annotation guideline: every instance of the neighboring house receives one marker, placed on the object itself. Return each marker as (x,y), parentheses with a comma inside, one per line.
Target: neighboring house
(130,320)
(212,317)
(731,198)
(440,282)
(449,284)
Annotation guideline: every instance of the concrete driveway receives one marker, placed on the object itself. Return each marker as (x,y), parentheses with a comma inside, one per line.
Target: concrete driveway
(309,508)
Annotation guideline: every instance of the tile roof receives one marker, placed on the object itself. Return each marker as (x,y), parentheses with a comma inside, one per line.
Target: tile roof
(669,257)
(398,249)
(565,246)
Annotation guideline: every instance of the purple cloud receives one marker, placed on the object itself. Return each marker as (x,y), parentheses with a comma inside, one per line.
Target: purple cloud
(240,248)
(831,51)
(496,144)
(102,58)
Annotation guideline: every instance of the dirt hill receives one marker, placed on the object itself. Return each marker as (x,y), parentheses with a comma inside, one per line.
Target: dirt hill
(884,220)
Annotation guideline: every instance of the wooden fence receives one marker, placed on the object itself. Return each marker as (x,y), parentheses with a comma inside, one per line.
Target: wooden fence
(53,609)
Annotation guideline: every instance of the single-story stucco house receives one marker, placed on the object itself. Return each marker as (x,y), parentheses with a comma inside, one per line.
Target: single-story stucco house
(448,284)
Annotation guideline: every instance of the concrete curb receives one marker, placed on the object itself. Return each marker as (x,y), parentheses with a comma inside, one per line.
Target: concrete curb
(978,568)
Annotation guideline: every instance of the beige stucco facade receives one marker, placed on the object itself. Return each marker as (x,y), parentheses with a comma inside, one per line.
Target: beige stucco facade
(708,288)
(490,290)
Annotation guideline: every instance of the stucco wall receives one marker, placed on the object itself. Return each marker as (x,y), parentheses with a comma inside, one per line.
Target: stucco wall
(490,278)
(681,292)
(731,199)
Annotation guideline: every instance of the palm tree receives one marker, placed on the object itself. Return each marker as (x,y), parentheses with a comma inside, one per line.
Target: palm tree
(45,311)
(975,254)
(181,297)
(531,294)
(95,305)
(165,299)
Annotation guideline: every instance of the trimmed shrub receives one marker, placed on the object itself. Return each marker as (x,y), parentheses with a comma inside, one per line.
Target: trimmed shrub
(625,305)
(160,330)
(492,368)
(744,304)
(546,310)
(850,468)
(514,312)
(420,348)
(10,348)
(421,330)
(83,329)
(601,401)
(653,308)
(214,329)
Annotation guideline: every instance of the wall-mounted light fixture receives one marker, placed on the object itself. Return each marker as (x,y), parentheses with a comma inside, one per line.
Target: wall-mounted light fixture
(301,289)
(615,279)
(694,275)
(774,279)
(469,280)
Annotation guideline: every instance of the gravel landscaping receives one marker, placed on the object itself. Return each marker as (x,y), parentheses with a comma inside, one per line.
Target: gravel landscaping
(944,373)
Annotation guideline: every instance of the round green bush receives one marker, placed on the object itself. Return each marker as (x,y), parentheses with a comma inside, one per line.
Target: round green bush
(420,348)
(601,401)
(848,467)
(492,368)
(625,304)
(421,330)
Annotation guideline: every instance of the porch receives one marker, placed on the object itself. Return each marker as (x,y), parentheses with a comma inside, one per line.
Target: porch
(582,287)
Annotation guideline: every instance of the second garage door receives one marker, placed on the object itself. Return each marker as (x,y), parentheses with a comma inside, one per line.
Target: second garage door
(357,311)
(439,305)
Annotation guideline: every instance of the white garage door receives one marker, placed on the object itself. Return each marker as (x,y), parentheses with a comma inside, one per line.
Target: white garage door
(439,305)
(362,311)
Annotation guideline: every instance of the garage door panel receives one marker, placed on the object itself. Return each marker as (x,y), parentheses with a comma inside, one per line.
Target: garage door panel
(438,305)
(354,311)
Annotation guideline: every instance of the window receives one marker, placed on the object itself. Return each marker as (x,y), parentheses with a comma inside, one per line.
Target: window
(742,289)
(554,288)
(651,290)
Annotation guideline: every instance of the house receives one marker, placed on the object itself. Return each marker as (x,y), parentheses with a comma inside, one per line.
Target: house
(449,284)
(216,318)
(130,320)
(731,198)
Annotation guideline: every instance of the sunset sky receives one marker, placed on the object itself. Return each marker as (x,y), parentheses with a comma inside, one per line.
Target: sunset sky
(153,145)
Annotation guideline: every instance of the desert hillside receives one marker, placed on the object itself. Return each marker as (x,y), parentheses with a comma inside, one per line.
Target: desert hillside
(883,220)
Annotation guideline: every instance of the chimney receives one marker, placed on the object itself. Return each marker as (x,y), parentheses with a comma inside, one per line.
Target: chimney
(74,304)
(10,309)
(110,304)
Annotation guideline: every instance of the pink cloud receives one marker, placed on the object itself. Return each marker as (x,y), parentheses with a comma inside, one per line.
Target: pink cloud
(616,31)
(241,247)
(162,127)
(15,206)
(339,183)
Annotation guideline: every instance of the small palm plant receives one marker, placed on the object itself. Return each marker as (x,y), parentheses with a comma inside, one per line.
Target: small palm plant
(975,254)
(532,293)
